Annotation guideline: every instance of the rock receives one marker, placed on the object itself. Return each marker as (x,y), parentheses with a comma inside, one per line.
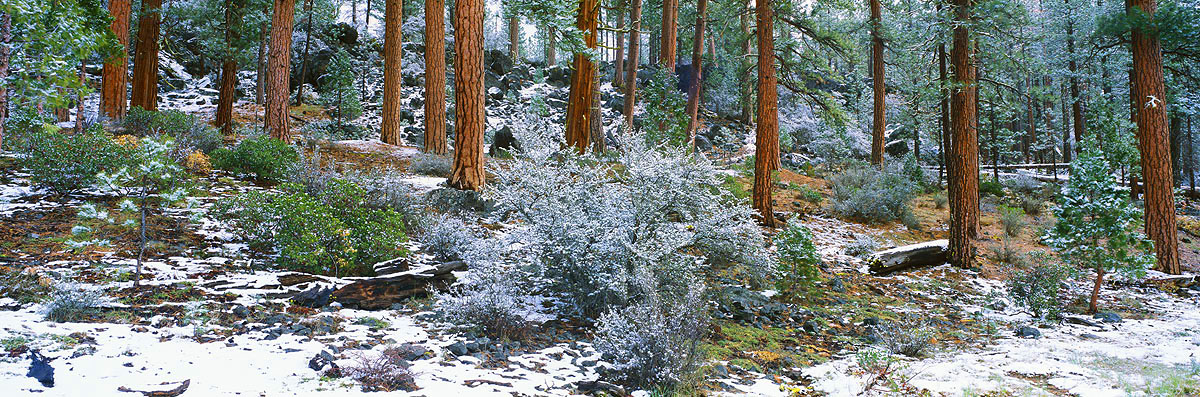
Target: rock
(558,76)
(503,141)
(811,327)
(837,285)
(380,293)
(1081,321)
(1108,317)
(314,297)
(241,311)
(484,343)
(40,369)
(703,144)
(177,390)
(896,148)
(1026,331)
(392,266)
(458,349)
(870,321)
(321,361)
(929,253)
(472,346)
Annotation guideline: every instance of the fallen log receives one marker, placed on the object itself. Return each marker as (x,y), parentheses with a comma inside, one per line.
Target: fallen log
(177,390)
(929,253)
(379,293)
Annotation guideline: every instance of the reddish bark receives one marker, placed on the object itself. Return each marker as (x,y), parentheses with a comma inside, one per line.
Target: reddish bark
(276,116)
(767,130)
(964,181)
(670,28)
(392,41)
(579,104)
(635,24)
(115,74)
(878,88)
(229,68)
(145,59)
(693,103)
(435,77)
(469,115)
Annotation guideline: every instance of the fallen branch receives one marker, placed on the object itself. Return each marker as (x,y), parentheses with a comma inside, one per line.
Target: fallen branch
(929,253)
(163,393)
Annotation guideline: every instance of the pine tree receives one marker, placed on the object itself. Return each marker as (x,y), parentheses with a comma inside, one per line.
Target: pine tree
(670,28)
(878,85)
(113,80)
(767,131)
(392,47)
(635,25)
(693,103)
(964,156)
(229,67)
(469,115)
(145,59)
(619,63)
(579,105)
(514,38)
(276,112)
(435,77)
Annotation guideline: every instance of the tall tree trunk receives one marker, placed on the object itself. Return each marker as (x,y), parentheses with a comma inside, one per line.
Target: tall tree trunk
(1076,100)
(964,199)
(551,51)
(261,74)
(304,57)
(878,124)
(392,51)
(1152,141)
(767,130)
(275,114)
(469,114)
(597,133)
(693,103)
(1191,161)
(619,64)
(747,87)
(5,53)
(635,25)
(145,60)
(944,112)
(670,28)
(113,78)
(367,16)
(229,68)
(579,104)
(435,77)
(79,97)
(514,38)
(1066,119)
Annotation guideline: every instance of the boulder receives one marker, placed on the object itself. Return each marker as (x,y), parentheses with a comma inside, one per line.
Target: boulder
(503,141)
(1028,332)
(315,297)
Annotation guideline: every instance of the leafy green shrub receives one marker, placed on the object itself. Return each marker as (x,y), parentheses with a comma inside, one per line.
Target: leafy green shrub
(666,121)
(868,194)
(1039,290)
(335,234)
(69,163)
(1098,228)
(809,194)
(263,157)
(1032,205)
(798,257)
(991,187)
(1012,220)
(189,133)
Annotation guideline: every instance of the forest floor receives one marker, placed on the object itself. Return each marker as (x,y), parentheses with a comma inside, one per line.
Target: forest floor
(209,312)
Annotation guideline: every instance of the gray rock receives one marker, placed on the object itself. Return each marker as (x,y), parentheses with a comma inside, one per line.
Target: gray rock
(1108,317)
(458,349)
(1026,331)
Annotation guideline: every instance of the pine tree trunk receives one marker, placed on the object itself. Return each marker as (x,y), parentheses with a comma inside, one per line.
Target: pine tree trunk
(229,68)
(145,60)
(878,123)
(392,80)
(635,25)
(579,104)
(1076,100)
(693,103)
(670,17)
(261,75)
(79,98)
(1066,143)
(767,131)
(1191,161)
(5,53)
(304,57)
(514,38)
(964,174)
(597,134)
(276,116)
(113,78)
(745,84)
(619,64)
(1152,141)
(435,77)
(551,56)
(467,172)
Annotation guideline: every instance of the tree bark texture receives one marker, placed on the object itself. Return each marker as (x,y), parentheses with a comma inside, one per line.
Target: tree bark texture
(229,68)
(878,123)
(579,104)
(635,24)
(619,63)
(114,77)
(435,77)
(514,38)
(279,62)
(964,199)
(693,103)
(1152,137)
(392,41)
(767,129)
(5,53)
(469,114)
(670,29)
(145,60)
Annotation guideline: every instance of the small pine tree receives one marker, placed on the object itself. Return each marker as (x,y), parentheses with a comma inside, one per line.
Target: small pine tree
(1098,228)
(340,95)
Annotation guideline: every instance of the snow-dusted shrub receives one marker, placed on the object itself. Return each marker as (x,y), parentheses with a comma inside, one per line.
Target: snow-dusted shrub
(495,299)
(23,285)
(1024,185)
(445,237)
(71,302)
(1038,290)
(380,372)
(263,157)
(798,258)
(586,224)
(655,342)
(862,246)
(66,163)
(866,193)
(430,164)
(1032,205)
(909,336)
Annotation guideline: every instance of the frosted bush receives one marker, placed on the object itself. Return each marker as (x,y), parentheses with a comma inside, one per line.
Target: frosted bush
(655,342)
(909,336)
(445,237)
(586,224)
(868,194)
(862,246)
(430,164)
(495,300)
(72,302)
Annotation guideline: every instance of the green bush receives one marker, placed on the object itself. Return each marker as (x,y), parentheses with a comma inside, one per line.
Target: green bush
(798,258)
(67,163)
(263,157)
(335,234)
(666,121)
(868,194)
(1012,220)
(188,132)
(1039,290)
(991,187)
